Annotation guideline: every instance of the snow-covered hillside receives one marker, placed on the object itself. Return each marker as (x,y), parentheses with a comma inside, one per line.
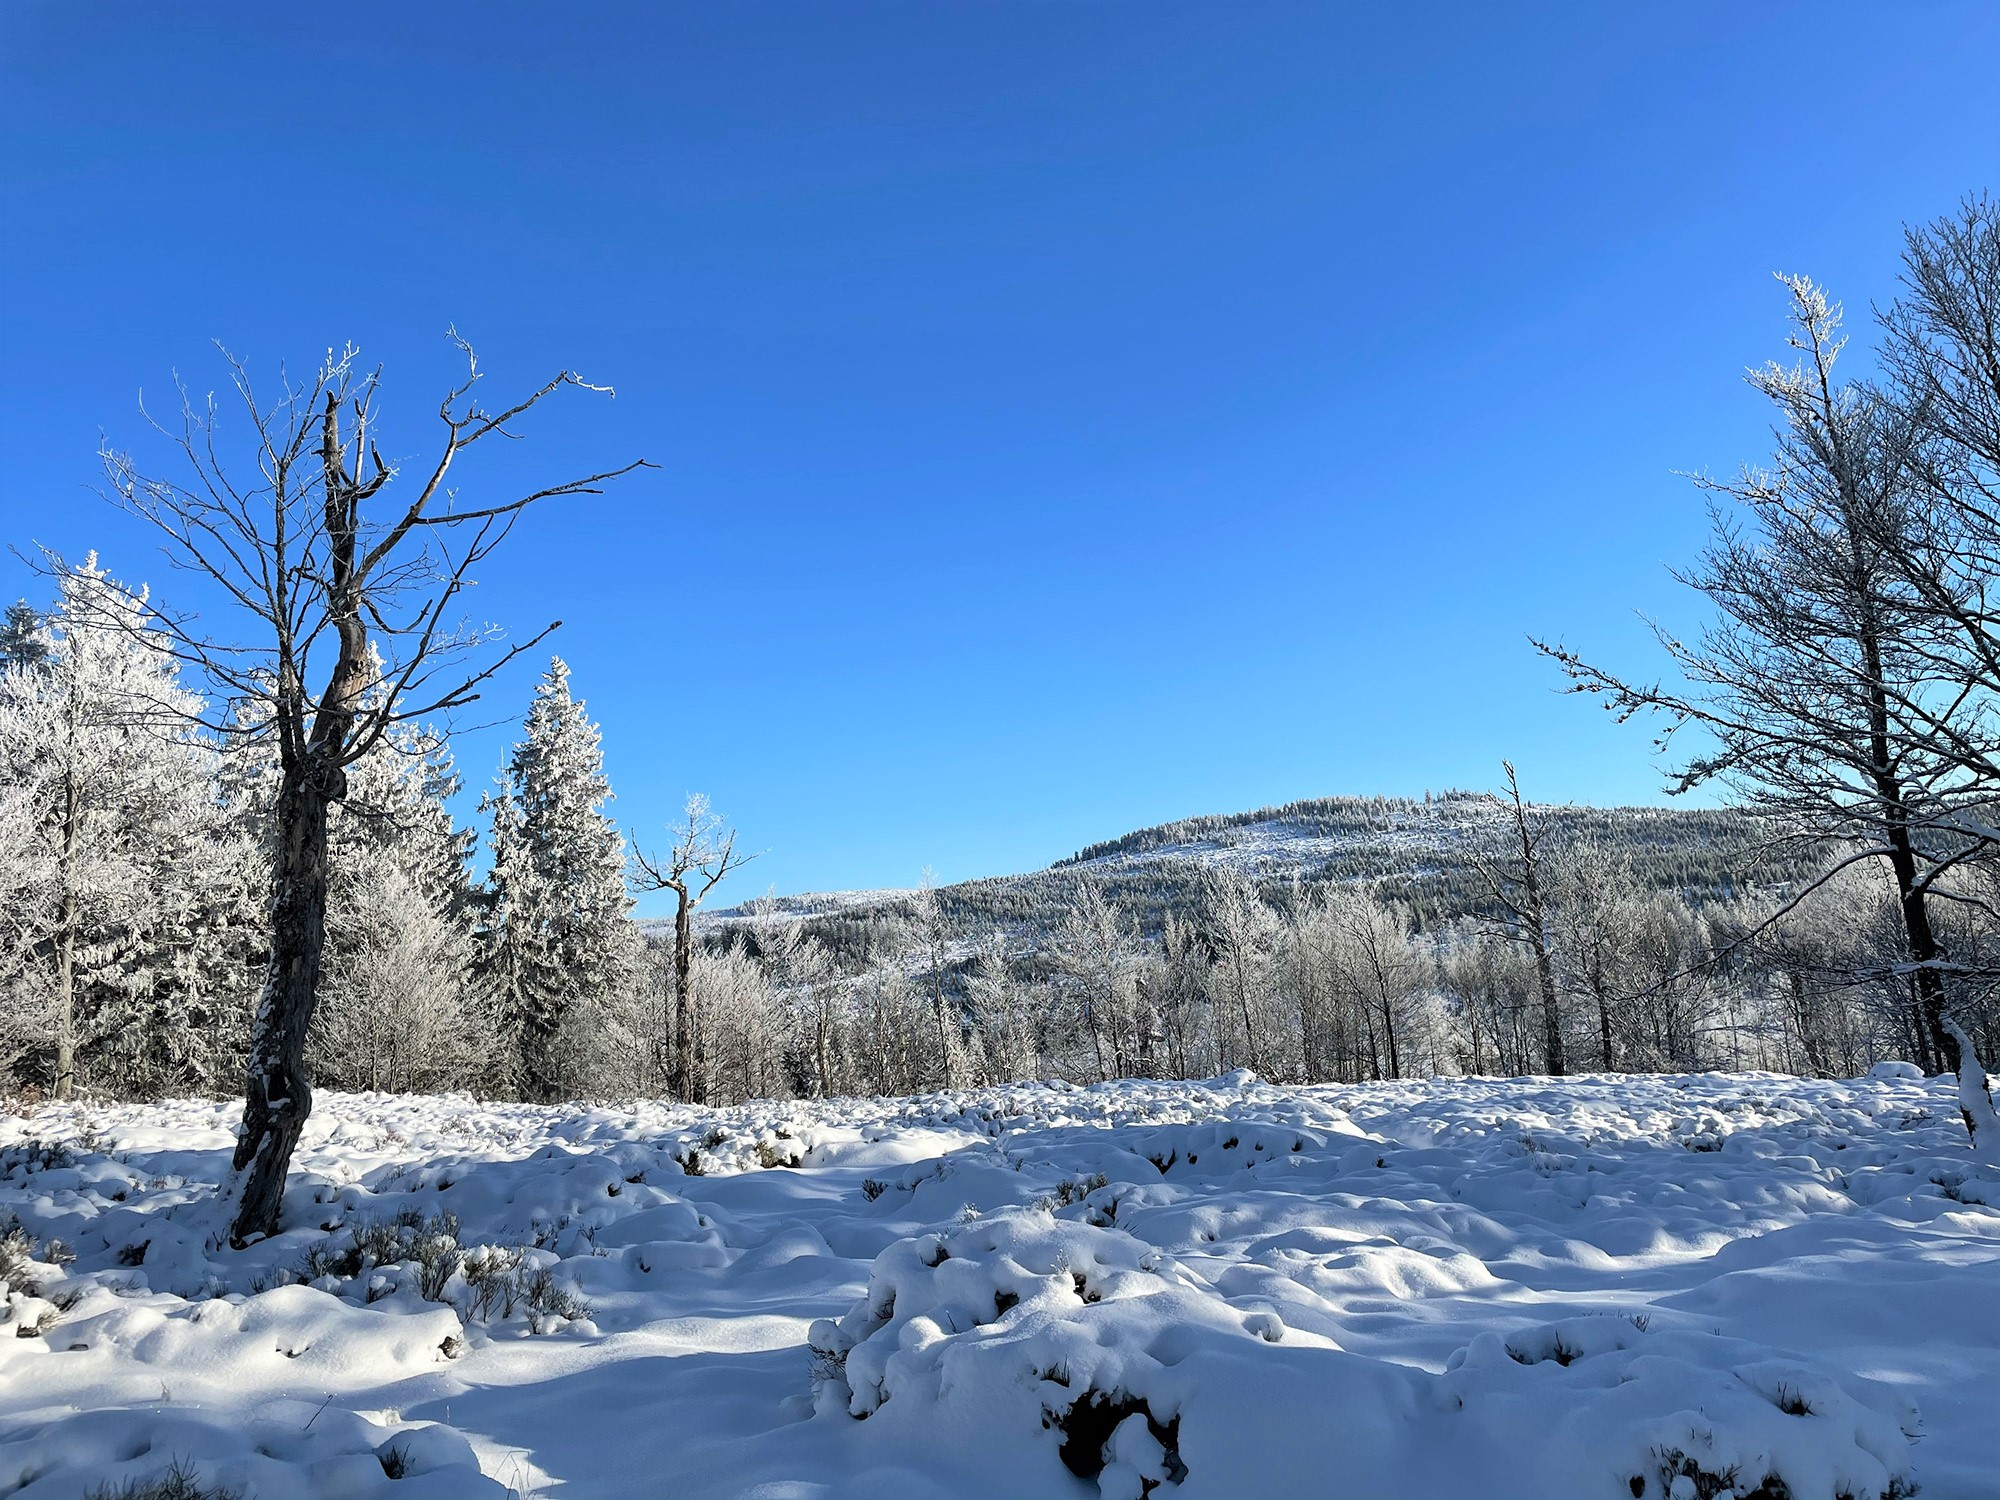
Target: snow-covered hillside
(1413,847)
(1664,1286)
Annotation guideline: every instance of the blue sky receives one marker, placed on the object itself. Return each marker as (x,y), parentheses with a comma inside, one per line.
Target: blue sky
(1069,416)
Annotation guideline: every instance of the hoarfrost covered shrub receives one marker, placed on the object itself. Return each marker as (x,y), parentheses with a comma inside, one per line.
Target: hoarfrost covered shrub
(499,1282)
(429,1240)
(489,1280)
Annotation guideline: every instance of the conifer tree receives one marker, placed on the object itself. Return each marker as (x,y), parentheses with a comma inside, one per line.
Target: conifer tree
(124,930)
(24,636)
(560,942)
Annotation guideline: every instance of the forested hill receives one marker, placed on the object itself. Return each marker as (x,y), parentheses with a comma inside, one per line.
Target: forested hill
(1419,851)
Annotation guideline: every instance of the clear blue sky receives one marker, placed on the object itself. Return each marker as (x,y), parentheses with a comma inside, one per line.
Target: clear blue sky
(1070,416)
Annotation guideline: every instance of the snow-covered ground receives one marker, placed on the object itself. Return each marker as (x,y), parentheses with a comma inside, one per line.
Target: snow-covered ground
(1464,1288)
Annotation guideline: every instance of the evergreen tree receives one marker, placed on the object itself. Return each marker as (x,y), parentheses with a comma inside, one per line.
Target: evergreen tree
(126,936)
(561,947)
(24,636)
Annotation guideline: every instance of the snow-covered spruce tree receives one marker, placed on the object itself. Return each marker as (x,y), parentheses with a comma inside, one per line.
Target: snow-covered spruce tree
(287,527)
(125,932)
(24,636)
(560,944)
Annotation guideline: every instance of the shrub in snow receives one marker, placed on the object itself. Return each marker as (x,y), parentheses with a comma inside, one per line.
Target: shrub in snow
(178,1481)
(284,1449)
(430,1241)
(1226,1146)
(24,1262)
(1055,1325)
(500,1282)
(1678,1414)
(25,1158)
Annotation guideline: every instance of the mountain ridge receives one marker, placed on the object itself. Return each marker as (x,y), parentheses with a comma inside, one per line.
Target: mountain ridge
(1421,849)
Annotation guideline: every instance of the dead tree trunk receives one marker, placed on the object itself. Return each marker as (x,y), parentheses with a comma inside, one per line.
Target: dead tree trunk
(278,1093)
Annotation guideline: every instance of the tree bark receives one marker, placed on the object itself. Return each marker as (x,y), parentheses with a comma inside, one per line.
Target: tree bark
(278,1093)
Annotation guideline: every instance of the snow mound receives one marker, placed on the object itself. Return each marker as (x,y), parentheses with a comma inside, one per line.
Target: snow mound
(1049,1334)
(1897,1071)
(297,1333)
(1674,1414)
(282,1450)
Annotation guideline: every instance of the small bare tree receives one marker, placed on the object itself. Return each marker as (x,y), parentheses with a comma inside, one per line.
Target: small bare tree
(348,601)
(702,856)
(1516,881)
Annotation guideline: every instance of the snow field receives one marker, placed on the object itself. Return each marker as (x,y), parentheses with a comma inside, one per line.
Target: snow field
(1751,1286)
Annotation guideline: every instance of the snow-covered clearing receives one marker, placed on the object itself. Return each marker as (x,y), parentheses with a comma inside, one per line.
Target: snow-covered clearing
(1455,1289)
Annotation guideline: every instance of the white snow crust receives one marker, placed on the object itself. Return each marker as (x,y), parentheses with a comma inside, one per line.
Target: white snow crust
(1748,1286)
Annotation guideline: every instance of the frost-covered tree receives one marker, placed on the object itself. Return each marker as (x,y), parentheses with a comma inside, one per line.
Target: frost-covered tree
(1826,692)
(1004,1013)
(1096,951)
(339,572)
(560,945)
(1516,877)
(24,636)
(701,857)
(1241,932)
(135,887)
(930,957)
(1383,972)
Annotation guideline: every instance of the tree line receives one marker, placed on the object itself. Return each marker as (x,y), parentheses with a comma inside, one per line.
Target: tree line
(137,850)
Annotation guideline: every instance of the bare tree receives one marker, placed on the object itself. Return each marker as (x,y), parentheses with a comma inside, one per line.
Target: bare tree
(1516,881)
(349,601)
(1095,949)
(701,858)
(1240,929)
(1829,691)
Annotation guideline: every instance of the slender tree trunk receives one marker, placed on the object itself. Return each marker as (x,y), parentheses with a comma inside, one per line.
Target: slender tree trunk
(278,1094)
(1545,983)
(687,1082)
(1243,999)
(937,1011)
